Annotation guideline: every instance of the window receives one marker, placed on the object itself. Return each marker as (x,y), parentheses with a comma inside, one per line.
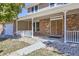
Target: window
(34,26)
(36,8)
(32,9)
(28,10)
(52,4)
(37,26)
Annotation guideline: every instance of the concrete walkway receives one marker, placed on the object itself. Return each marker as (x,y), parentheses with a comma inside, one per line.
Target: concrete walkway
(28,49)
(47,39)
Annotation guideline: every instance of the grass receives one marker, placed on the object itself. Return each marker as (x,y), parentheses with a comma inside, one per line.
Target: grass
(44,52)
(9,46)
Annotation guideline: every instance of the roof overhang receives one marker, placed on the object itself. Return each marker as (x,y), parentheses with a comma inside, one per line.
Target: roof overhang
(51,11)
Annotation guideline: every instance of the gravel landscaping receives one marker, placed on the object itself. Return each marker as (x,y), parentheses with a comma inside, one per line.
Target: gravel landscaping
(68,49)
(44,52)
(8,46)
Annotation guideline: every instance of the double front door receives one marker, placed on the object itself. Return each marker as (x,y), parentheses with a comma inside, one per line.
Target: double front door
(57,27)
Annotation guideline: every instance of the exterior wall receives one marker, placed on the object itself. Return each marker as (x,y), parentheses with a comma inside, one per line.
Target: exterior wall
(43,5)
(2,27)
(29,9)
(24,25)
(73,22)
(14,26)
(44,26)
(30,25)
(57,27)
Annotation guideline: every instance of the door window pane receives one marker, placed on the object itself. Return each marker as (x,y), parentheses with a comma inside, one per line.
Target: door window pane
(34,26)
(37,26)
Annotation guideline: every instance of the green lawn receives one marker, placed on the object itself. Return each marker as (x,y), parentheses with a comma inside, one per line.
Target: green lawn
(9,46)
(44,52)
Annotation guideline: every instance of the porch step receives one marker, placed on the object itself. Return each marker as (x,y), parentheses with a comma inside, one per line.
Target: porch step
(38,34)
(57,36)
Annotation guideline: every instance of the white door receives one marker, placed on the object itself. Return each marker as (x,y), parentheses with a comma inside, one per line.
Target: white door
(8,29)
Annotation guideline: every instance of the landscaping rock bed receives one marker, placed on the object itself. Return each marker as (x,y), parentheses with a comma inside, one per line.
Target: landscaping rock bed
(65,48)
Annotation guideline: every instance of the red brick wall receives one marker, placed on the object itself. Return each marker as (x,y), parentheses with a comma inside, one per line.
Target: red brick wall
(45,26)
(30,25)
(73,22)
(57,27)
(43,5)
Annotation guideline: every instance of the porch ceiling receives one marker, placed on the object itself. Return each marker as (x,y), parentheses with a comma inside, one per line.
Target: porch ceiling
(51,11)
(48,16)
(24,20)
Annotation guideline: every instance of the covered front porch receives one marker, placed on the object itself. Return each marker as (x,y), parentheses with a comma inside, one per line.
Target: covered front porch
(62,24)
(45,26)
(24,28)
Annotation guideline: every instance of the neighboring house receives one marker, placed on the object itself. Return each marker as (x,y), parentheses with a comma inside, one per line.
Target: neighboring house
(50,19)
(8,29)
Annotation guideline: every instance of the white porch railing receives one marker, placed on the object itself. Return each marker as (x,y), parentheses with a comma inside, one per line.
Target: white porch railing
(23,33)
(72,36)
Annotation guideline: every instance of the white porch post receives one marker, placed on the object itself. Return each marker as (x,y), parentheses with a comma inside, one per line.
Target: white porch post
(65,26)
(32,28)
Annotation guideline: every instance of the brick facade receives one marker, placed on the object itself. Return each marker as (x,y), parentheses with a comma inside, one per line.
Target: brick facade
(57,27)
(73,22)
(45,26)
(43,5)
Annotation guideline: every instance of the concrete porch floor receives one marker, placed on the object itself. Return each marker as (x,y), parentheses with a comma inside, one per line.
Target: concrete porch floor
(47,38)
